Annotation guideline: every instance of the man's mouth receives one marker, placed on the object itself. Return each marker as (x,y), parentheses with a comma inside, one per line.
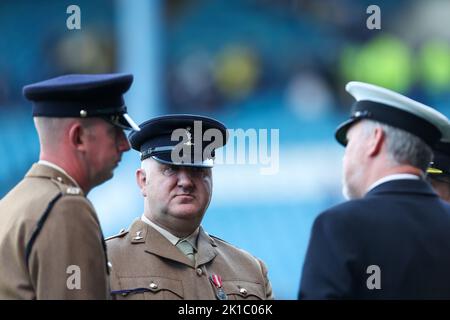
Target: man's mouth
(185,196)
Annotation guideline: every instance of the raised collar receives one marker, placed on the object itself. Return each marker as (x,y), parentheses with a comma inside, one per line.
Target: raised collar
(58,168)
(153,242)
(45,171)
(418,186)
(391,177)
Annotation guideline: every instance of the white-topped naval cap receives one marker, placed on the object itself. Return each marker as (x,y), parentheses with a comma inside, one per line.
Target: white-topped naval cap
(392,108)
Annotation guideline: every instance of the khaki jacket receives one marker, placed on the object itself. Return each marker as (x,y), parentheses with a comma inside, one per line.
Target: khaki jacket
(145,265)
(51,245)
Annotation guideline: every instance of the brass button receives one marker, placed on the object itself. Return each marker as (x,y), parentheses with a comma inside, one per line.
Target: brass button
(153,285)
(72,190)
(199,272)
(243,291)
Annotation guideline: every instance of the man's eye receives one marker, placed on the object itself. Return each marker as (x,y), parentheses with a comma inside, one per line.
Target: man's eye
(169,171)
(198,170)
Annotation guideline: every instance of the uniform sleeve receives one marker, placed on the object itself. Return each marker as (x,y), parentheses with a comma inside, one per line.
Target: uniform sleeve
(113,277)
(267,284)
(68,260)
(326,270)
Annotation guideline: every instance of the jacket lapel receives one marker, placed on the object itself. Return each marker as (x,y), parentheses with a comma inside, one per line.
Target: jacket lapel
(206,250)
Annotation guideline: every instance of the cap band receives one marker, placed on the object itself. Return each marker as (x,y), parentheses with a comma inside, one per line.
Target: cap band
(397,118)
(92,108)
(152,151)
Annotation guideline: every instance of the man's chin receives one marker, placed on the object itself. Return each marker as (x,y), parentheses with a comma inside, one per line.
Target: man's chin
(345,193)
(186,210)
(105,177)
(350,194)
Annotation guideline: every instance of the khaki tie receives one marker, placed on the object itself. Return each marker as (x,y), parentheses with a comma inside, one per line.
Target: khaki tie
(187,249)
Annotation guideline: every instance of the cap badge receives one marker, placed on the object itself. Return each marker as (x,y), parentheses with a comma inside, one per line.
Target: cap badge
(138,235)
(189,137)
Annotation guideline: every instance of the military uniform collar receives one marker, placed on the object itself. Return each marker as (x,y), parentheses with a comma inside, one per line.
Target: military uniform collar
(392,177)
(43,170)
(58,168)
(192,238)
(155,243)
(404,186)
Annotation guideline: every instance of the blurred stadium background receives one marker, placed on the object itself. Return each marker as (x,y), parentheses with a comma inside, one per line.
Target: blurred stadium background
(263,64)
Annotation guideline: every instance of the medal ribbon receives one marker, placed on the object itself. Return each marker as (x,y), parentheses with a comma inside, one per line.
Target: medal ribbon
(216,280)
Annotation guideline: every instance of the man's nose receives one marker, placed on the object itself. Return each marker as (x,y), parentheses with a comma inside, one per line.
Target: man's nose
(123,144)
(185,179)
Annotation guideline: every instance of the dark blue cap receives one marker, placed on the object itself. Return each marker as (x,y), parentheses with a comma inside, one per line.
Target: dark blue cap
(441,160)
(83,96)
(180,139)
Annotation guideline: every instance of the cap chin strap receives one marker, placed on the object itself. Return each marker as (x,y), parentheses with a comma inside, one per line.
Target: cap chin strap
(133,124)
(151,151)
(115,120)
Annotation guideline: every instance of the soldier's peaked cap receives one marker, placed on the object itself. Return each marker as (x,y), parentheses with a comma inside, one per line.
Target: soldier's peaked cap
(158,138)
(83,96)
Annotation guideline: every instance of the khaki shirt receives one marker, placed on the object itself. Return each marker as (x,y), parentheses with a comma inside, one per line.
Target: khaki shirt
(51,245)
(145,265)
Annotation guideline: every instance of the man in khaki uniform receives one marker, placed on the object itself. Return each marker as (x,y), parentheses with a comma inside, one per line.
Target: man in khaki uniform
(51,244)
(166,254)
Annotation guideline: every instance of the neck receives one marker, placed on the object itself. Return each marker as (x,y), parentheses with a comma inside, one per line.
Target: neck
(398,169)
(71,166)
(173,227)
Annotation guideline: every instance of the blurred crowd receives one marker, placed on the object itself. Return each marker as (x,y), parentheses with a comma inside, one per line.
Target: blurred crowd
(278,62)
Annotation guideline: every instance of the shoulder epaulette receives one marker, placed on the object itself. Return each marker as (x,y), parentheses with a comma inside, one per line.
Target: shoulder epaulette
(121,234)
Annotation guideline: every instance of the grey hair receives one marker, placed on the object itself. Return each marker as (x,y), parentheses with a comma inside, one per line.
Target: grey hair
(146,165)
(402,146)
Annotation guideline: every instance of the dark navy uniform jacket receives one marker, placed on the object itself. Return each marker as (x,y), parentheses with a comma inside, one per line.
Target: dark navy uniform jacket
(400,226)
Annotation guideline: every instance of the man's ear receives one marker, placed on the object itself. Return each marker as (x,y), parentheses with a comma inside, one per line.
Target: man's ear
(377,138)
(141,180)
(78,136)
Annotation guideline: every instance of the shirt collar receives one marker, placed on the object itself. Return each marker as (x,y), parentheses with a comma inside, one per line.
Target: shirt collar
(192,238)
(391,177)
(58,168)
